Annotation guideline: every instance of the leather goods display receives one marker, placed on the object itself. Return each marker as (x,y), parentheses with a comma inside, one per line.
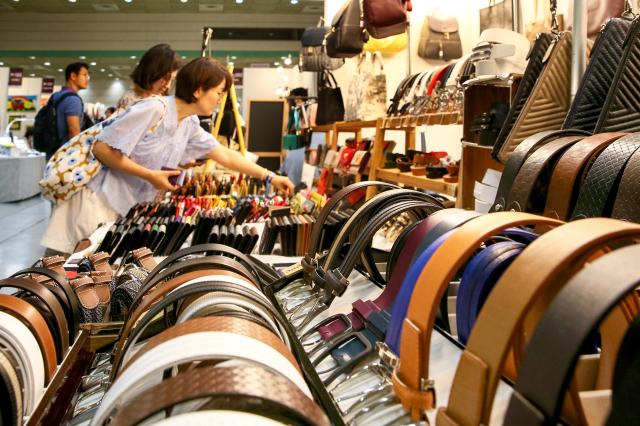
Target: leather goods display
(470,402)
(534,68)
(575,313)
(347,36)
(600,186)
(385,18)
(605,58)
(499,52)
(330,103)
(548,102)
(570,172)
(440,38)
(620,110)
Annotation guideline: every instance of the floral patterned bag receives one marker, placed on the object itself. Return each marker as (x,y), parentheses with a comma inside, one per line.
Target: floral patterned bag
(367,95)
(73,165)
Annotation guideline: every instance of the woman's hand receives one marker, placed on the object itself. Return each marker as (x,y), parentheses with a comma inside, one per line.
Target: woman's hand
(283,183)
(160,179)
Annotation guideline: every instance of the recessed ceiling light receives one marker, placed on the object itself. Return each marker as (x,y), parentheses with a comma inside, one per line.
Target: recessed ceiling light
(32,57)
(60,70)
(1,63)
(72,1)
(132,56)
(32,75)
(184,57)
(46,64)
(294,1)
(102,70)
(277,64)
(93,64)
(183,1)
(287,60)
(82,57)
(110,75)
(239,1)
(234,57)
(128,1)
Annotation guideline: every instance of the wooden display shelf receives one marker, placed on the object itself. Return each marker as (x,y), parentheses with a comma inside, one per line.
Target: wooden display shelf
(422,182)
(476,159)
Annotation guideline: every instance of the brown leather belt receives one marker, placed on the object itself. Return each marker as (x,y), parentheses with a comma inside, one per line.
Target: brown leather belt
(251,389)
(144,257)
(503,314)
(87,295)
(42,293)
(224,324)
(530,176)
(101,284)
(34,320)
(627,204)
(411,380)
(100,262)
(569,173)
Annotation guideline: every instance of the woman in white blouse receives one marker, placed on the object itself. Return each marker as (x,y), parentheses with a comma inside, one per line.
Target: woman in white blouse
(153,133)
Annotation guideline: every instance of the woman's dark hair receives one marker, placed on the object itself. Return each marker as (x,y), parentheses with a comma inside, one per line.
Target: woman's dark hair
(155,64)
(204,73)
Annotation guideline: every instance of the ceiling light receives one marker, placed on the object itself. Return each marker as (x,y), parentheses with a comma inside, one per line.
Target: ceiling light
(234,58)
(128,1)
(277,64)
(294,1)
(32,75)
(72,1)
(93,64)
(47,64)
(102,70)
(183,1)
(132,56)
(110,75)
(184,57)
(1,64)
(32,57)
(287,60)
(82,57)
(230,64)
(60,70)
(239,1)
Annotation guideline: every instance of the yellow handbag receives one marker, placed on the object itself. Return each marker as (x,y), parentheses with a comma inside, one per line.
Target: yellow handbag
(389,45)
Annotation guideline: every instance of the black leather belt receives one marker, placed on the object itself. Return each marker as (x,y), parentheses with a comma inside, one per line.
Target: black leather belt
(566,325)
(595,197)
(627,203)
(518,157)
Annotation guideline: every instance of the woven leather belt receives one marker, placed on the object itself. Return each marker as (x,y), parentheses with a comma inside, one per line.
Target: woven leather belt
(532,176)
(518,157)
(411,380)
(50,308)
(495,331)
(200,339)
(595,197)
(249,389)
(627,203)
(570,172)
(10,393)
(566,325)
(30,317)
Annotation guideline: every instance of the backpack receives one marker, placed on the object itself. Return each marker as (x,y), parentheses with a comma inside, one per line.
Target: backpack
(73,165)
(45,126)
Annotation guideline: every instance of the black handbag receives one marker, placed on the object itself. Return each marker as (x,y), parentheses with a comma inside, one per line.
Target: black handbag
(314,36)
(347,36)
(330,103)
(592,92)
(621,110)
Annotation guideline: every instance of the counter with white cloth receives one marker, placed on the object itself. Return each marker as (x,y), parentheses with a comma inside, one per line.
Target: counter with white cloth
(19,176)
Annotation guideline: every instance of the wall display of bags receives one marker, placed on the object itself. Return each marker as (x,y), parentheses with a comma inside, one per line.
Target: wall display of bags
(367,95)
(440,38)
(313,55)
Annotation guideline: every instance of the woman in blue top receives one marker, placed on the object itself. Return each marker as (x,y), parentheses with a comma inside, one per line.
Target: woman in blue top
(134,146)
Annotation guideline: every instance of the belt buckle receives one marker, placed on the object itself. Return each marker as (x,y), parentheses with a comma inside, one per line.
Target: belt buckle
(291,288)
(343,365)
(304,313)
(372,377)
(305,339)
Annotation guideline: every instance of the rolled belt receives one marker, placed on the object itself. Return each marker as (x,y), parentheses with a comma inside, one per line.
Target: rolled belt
(10,393)
(249,389)
(571,318)
(494,333)
(626,385)
(627,203)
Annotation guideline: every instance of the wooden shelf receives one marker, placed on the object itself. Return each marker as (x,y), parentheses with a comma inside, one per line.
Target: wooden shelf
(422,182)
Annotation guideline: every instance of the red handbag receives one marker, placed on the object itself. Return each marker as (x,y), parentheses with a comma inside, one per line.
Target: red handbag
(385,18)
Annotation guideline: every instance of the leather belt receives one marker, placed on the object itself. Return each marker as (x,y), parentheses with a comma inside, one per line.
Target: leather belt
(411,380)
(494,333)
(100,262)
(518,157)
(88,297)
(627,203)
(102,282)
(144,257)
(626,383)
(566,325)
(15,334)
(569,174)
(199,340)
(10,393)
(44,295)
(30,317)
(478,279)
(531,176)
(207,417)
(595,197)
(248,389)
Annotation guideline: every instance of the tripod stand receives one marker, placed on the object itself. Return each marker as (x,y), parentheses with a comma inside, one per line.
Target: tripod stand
(207,34)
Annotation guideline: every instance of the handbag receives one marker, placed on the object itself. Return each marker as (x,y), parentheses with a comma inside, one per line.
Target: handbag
(621,110)
(389,45)
(313,56)
(385,18)
(440,38)
(367,95)
(330,103)
(347,36)
(497,15)
(592,92)
(73,165)
(599,12)
(359,162)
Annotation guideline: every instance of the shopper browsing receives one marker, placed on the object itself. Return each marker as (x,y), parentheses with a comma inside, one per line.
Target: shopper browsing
(134,146)
(153,75)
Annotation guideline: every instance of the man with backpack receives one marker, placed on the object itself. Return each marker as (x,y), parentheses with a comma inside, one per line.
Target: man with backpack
(61,119)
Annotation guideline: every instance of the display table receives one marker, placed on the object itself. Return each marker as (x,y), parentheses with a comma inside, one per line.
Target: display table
(19,177)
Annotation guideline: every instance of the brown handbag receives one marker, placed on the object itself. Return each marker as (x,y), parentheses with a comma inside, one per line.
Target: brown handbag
(385,18)
(548,103)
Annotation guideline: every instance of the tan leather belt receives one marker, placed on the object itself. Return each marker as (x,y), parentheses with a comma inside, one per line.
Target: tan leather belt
(480,366)
(30,316)
(569,173)
(251,389)
(411,381)
(144,257)
(101,284)
(530,174)
(100,262)
(55,263)
(87,295)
